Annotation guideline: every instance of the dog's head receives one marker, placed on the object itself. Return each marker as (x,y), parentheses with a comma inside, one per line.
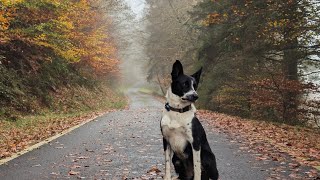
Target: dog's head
(183,85)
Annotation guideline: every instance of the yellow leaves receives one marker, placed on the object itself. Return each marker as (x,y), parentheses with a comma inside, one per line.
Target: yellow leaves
(88,29)
(72,55)
(42,43)
(67,25)
(71,29)
(225,15)
(278,23)
(11,2)
(7,13)
(56,2)
(41,37)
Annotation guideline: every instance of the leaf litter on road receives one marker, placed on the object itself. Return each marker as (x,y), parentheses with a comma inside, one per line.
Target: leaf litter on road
(71,172)
(271,142)
(15,139)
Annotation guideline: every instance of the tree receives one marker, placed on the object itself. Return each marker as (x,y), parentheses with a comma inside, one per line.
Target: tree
(46,45)
(170,38)
(261,46)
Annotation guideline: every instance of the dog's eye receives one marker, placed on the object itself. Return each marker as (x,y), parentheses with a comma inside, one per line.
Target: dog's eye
(186,84)
(195,86)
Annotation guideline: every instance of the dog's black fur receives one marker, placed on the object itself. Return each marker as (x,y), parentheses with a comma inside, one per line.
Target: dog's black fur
(208,160)
(181,86)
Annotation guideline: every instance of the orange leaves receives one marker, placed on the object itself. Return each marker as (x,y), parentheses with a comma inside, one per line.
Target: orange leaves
(224,16)
(7,13)
(4,22)
(269,94)
(87,29)
(73,30)
(213,18)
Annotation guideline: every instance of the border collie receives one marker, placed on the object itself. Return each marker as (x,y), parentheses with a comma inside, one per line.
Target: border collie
(184,139)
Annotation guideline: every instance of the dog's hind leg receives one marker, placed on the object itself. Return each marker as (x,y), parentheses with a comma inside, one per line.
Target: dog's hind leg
(168,154)
(209,163)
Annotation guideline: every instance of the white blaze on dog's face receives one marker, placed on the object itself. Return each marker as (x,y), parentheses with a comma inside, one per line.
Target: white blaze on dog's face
(183,85)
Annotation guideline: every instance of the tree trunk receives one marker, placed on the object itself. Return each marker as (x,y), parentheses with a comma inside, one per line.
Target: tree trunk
(161,85)
(290,101)
(290,66)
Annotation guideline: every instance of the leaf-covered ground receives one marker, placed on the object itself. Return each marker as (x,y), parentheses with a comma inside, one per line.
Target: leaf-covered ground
(15,138)
(272,142)
(127,144)
(71,108)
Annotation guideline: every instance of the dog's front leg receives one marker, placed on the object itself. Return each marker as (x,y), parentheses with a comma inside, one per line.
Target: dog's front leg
(168,154)
(196,163)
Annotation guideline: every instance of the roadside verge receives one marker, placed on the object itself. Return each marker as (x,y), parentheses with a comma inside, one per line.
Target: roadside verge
(83,120)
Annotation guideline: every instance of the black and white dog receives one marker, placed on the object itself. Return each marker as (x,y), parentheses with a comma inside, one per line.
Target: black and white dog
(184,139)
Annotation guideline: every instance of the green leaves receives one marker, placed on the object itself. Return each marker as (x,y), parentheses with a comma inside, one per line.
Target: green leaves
(252,41)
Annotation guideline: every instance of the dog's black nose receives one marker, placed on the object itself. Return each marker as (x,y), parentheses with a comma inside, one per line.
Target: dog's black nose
(195,97)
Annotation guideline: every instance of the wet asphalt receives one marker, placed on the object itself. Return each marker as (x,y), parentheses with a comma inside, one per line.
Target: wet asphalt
(125,144)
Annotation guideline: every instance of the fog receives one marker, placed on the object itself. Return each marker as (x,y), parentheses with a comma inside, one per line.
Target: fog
(131,52)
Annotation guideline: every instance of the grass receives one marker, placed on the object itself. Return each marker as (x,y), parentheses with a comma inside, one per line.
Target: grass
(146,90)
(69,107)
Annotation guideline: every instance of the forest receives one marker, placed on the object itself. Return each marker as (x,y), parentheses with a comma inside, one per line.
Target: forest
(260,58)
(82,85)
(51,48)
(58,66)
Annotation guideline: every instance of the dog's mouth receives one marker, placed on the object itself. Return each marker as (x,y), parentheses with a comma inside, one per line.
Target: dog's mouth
(191,98)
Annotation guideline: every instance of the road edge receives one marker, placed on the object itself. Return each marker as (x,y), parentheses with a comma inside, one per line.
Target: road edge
(46,141)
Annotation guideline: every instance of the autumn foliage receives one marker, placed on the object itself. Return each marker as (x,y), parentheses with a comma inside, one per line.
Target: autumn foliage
(72,30)
(48,44)
(257,56)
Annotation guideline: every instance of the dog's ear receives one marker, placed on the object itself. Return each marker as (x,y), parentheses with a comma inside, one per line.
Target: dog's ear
(177,70)
(197,75)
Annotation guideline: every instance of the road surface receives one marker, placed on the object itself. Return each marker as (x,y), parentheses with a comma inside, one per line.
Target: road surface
(123,144)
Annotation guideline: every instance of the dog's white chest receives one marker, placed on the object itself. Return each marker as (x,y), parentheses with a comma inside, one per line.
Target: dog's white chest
(177,130)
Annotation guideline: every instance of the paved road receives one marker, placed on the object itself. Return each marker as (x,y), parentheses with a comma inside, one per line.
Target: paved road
(119,145)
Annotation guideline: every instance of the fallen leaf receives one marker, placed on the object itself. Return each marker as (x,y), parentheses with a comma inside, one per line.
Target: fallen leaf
(71,172)
(75,166)
(154,169)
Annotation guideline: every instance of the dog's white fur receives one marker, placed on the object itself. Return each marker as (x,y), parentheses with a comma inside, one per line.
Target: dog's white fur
(177,130)
(191,92)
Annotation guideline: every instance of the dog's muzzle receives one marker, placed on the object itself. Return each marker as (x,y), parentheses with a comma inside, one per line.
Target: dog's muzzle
(191,97)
